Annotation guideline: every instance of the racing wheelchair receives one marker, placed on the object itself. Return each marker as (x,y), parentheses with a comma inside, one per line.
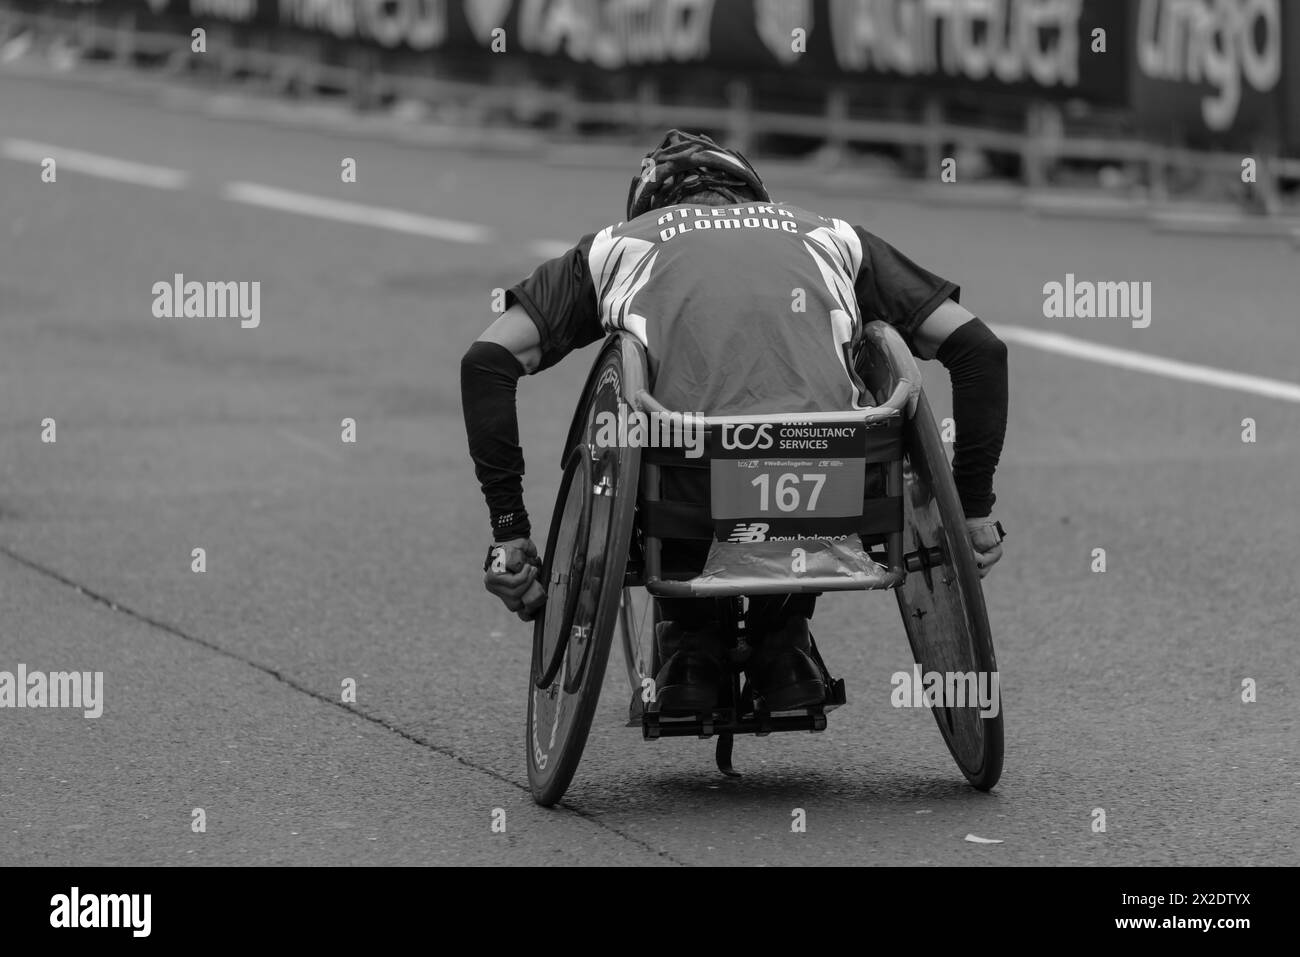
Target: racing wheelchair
(869,505)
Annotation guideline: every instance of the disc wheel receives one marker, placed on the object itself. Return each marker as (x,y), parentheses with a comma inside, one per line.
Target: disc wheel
(561,709)
(942,601)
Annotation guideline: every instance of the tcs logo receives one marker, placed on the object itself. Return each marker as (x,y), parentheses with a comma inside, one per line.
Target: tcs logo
(747,436)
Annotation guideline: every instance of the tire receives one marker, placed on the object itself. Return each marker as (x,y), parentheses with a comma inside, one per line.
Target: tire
(560,714)
(943,605)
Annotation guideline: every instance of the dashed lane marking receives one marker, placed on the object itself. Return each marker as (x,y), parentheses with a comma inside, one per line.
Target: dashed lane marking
(397,220)
(95,164)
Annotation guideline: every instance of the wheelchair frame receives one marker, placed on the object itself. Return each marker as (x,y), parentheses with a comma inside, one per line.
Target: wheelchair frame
(611,497)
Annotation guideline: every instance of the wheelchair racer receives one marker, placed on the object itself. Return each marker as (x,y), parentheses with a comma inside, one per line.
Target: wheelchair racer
(702,272)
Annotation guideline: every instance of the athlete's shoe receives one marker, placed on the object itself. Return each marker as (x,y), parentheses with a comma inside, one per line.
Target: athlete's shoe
(782,670)
(691,675)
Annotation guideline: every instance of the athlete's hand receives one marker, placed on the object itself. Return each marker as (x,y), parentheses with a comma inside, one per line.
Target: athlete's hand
(511,573)
(986,537)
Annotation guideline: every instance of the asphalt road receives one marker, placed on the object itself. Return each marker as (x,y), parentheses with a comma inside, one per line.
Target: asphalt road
(329,561)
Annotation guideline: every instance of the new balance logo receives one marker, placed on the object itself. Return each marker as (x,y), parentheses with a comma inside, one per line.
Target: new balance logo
(752,532)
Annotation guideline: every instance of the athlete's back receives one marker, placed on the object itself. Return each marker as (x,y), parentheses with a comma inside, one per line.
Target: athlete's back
(742,308)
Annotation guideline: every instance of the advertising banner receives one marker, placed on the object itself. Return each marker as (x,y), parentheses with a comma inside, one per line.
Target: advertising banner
(1211,71)
(1053,48)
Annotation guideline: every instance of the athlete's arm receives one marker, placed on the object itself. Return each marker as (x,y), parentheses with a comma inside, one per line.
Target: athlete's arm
(549,314)
(976,361)
(938,326)
(924,308)
(518,335)
(489,375)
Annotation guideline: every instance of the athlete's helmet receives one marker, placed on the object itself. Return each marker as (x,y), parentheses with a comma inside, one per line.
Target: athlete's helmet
(684,163)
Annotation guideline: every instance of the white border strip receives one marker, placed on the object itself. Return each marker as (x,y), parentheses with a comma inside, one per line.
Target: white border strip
(1141,362)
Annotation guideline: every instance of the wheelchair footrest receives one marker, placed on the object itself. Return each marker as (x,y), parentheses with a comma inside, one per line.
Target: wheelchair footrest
(655,725)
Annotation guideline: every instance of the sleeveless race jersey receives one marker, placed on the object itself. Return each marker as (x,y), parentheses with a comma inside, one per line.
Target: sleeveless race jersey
(748,308)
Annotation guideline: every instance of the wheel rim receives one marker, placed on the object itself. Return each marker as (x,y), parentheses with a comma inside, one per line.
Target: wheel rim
(937,626)
(559,715)
(582,632)
(564,585)
(942,605)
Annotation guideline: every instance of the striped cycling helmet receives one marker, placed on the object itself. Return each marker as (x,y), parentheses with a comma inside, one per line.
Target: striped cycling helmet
(684,163)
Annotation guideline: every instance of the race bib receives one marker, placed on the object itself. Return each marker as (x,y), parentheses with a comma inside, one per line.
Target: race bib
(774,481)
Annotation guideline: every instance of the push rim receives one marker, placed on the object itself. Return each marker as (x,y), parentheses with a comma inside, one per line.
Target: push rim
(566,548)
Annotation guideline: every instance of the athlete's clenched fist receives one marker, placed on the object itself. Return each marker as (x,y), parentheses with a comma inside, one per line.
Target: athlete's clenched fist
(511,573)
(986,537)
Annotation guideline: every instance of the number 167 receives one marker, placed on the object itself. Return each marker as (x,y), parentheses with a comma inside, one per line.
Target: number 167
(787,491)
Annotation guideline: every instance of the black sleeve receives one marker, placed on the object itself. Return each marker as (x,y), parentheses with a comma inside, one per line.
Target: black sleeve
(488,376)
(891,287)
(976,361)
(560,298)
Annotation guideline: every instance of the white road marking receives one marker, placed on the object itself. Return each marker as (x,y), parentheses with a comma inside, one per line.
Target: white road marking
(397,220)
(95,164)
(1141,362)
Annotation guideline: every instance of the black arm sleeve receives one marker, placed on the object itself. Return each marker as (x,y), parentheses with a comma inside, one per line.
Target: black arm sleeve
(489,373)
(976,360)
(561,301)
